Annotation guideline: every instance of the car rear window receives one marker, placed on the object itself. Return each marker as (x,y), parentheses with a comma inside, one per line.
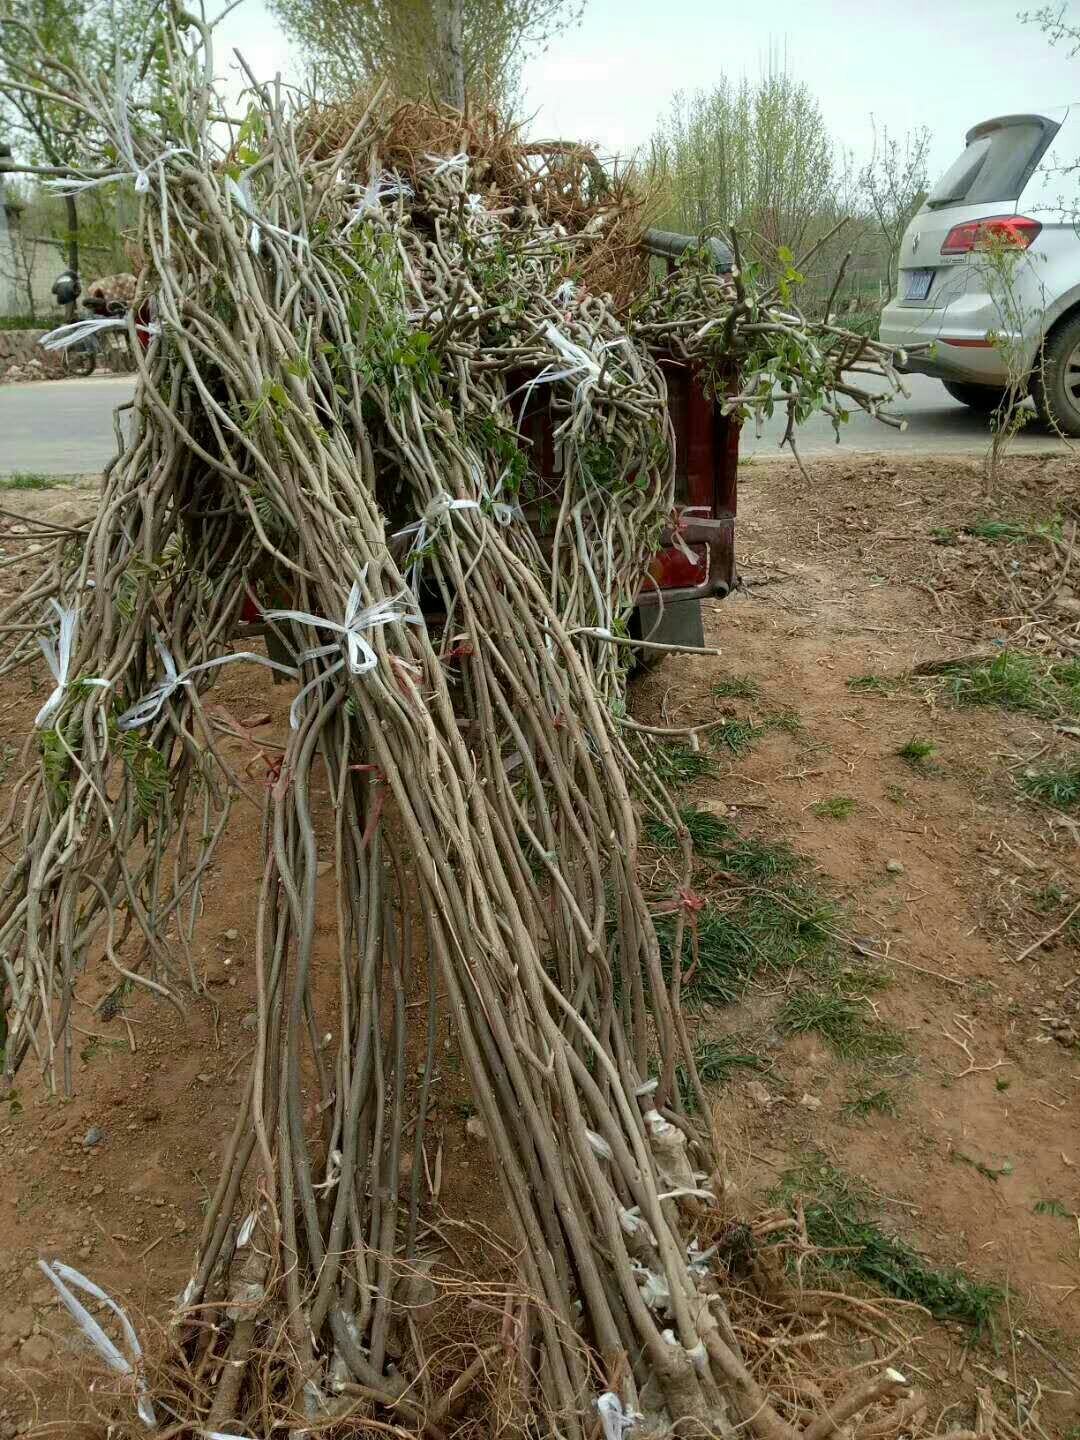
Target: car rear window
(996,163)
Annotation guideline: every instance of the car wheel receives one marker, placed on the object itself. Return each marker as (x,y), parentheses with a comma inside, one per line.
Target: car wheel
(983,398)
(1055,386)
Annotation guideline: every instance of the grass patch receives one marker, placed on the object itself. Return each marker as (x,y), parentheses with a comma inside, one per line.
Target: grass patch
(915,751)
(708,833)
(716,1064)
(735,735)
(872,684)
(28,322)
(1018,682)
(986,1171)
(1052,1207)
(842,1021)
(1057,785)
(943,535)
(762,931)
(752,859)
(786,720)
(839,1214)
(836,807)
(998,530)
(678,764)
(32,480)
(736,687)
(865,1103)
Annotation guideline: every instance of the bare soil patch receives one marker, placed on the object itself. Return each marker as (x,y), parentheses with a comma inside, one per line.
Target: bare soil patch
(945,872)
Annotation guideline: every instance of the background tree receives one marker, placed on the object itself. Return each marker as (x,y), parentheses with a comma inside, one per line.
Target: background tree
(894,183)
(42,37)
(18,255)
(351,43)
(755,155)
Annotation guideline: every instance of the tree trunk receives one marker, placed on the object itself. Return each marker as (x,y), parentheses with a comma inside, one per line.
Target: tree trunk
(449,37)
(72,246)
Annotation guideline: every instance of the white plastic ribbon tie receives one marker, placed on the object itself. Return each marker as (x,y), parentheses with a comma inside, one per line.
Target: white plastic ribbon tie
(58,658)
(65,336)
(57,1273)
(71,185)
(614,1420)
(437,510)
(444,166)
(580,363)
(653,1288)
(359,657)
(566,294)
(600,1145)
(387,186)
(148,708)
(259,225)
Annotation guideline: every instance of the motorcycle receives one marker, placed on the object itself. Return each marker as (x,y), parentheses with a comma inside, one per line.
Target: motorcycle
(108,347)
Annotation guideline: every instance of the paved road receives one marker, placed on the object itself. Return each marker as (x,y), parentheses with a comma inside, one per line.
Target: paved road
(936,424)
(60,427)
(63,427)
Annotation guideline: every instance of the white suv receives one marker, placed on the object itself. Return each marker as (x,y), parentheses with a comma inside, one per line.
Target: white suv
(957,315)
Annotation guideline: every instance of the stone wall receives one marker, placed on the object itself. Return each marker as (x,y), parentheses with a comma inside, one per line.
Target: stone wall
(19,347)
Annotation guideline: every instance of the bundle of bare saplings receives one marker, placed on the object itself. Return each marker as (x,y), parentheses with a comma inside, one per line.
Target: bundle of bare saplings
(350,311)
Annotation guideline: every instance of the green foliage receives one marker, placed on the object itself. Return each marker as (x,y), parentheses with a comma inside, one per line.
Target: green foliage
(873,684)
(716,1063)
(354,43)
(678,764)
(915,751)
(836,807)
(843,1021)
(1057,785)
(1013,530)
(1052,1207)
(755,156)
(755,931)
(1018,682)
(943,535)
(55,764)
(736,687)
(864,1103)
(708,834)
(146,769)
(786,720)
(32,322)
(839,1218)
(714,839)
(32,480)
(511,459)
(988,1172)
(736,735)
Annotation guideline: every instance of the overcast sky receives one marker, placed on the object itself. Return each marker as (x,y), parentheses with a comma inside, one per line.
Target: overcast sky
(944,63)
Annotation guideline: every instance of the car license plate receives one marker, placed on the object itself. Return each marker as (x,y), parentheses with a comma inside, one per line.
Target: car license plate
(918,284)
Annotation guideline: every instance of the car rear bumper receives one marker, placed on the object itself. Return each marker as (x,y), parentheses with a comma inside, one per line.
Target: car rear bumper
(950,342)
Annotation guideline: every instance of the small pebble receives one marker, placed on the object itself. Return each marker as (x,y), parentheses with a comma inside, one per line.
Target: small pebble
(93,1137)
(474,1126)
(894,867)
(232,935)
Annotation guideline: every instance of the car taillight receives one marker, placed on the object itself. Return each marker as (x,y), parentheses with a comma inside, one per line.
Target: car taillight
(1015,230)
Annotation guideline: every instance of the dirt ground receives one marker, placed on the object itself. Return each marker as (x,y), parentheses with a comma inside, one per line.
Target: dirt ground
(946,875)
